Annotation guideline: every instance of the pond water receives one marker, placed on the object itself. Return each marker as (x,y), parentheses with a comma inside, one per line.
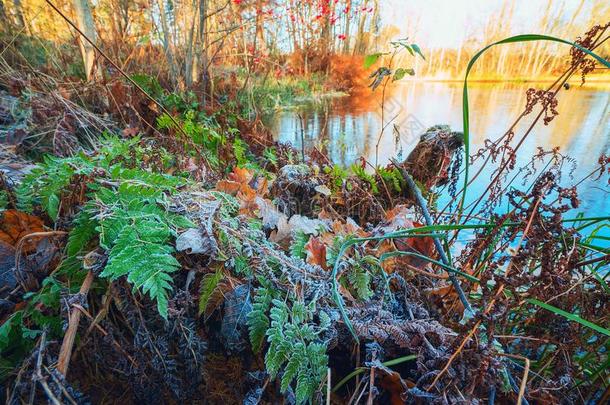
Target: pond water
(347,128)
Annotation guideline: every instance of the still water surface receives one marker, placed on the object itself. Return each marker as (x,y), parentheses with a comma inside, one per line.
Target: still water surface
(349,128)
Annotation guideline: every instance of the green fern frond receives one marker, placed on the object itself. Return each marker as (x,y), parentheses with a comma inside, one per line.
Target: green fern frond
(140,252)
(84,229)
(306,386)
(258,321)
(298,358)
(361,173)
(44,184)
(360,279)
(209,282)
(297,247)
(294,346)
(392,177)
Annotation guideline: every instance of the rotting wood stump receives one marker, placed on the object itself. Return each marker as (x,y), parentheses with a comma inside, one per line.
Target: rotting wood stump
(428,163)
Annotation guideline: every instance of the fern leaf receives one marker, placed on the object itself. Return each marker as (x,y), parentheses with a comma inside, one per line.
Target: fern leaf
(360,279)
(140,253)
(82,232)
(305,386)
(258,322)
(209,282)
(297,247)
(297,360)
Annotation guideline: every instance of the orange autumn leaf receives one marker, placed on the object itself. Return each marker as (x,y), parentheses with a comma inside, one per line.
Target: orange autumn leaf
(14,225)
(316,252)
(230,187)
(247,198)
(423,246)
(238,180)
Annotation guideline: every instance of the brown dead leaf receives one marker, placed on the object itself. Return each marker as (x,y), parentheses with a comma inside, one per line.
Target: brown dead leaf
(402,217)
(346,294)
(316,252)
(446,299)
(14,225)
(392,382)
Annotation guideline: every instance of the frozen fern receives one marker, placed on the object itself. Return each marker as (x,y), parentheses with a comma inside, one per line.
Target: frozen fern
(297,247)
(258,321)
(360,280)
(295,349)
(44,184)
(138,244)
(83,230)
(209,283)
(126,210)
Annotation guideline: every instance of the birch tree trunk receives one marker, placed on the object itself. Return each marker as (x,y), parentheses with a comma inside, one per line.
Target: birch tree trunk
(84,21)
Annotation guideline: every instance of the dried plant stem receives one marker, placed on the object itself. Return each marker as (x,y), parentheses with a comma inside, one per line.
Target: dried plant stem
(66,346)
(328,385)
(491,303)
(39,377)
(437,243)
(526,370)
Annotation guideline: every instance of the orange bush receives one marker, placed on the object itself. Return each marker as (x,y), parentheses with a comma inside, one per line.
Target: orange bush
(347,73)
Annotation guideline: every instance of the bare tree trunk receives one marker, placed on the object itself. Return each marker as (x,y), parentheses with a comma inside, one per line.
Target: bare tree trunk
(189,63)
(202,49)
(259,35)
(167,42)
(348,13)
(359,43)
(84,21)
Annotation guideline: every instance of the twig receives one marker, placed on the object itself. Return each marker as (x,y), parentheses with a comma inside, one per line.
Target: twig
(61,386)
(39,377)
(66,346)
(328,387)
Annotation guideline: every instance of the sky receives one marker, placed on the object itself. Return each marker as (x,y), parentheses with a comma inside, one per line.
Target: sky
(445,23)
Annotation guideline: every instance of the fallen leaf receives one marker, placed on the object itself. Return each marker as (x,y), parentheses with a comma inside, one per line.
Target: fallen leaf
(14,225)
(316,252)
(346,294)
(269,214)
(296,223)
(392,382)
(237,181)
(446,298)
(191,241)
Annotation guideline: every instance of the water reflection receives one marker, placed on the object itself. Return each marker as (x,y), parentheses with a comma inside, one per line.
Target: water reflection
(347,129)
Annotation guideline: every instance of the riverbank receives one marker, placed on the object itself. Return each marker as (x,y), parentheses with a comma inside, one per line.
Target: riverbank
(192,257)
